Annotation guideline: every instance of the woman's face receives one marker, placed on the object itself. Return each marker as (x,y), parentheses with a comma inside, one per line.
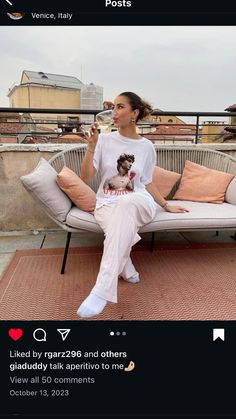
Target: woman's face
(123,113)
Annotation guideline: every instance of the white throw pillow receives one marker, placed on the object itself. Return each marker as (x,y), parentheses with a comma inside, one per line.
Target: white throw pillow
(230,195)
(42,185)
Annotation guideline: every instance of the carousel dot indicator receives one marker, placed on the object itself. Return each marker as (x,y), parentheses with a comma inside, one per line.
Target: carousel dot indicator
(117,333)
(112,333)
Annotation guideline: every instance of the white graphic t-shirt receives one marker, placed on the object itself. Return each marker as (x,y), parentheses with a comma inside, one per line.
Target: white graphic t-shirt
(125,166)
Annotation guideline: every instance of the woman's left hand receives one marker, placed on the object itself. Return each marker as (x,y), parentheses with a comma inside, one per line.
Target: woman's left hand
(175,208)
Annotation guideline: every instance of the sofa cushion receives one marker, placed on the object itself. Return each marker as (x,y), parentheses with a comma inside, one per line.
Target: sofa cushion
(230,195)
(79,193)
(42,185)
(200,216)
(164,180)
(200,184)
(82,220)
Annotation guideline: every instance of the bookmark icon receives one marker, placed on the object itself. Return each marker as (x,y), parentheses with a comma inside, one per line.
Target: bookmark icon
(64,333)
(219,334)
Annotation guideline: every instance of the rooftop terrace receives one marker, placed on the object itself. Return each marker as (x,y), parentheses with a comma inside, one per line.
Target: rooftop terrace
(24,225)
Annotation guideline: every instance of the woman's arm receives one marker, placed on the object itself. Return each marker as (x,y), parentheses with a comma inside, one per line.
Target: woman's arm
(152,189)
(87,170)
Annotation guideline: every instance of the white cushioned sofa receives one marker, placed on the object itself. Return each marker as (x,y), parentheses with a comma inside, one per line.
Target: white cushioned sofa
(201,215)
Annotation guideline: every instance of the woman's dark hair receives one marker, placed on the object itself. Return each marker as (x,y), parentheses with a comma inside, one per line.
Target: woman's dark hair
(137,103)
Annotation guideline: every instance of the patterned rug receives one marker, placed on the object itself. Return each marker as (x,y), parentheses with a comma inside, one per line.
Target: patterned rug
(181,282)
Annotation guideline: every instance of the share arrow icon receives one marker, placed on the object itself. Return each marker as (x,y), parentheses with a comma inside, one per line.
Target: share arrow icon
(64,333)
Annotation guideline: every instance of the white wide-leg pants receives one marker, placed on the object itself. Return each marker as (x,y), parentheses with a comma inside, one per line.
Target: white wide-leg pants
(120,223)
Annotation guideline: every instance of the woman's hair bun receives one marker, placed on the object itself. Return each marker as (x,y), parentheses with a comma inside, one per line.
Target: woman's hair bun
(147,109)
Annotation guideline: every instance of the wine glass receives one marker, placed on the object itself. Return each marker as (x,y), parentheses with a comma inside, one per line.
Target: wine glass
(84,130)
(105,120)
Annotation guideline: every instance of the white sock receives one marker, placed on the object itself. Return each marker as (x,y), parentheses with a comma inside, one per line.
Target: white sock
(133,279)
(91,306)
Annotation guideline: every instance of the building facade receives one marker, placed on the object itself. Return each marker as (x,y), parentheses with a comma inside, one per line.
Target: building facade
(55,91)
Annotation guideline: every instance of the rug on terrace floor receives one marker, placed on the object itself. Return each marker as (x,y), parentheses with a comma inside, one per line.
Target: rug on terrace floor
(182,282)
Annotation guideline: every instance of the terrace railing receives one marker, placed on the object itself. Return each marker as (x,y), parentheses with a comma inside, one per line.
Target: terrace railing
(65,118)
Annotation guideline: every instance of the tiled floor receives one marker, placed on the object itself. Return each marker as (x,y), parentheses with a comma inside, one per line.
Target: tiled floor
(9,243)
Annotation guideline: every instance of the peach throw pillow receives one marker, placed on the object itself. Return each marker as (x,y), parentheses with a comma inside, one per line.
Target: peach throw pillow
(74,187)
(200,184)
(164,180)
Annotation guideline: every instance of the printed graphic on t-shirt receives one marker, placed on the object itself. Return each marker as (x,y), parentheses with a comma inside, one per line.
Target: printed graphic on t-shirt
(122,182)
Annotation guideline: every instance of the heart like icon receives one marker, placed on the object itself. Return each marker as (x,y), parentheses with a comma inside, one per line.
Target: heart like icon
(15,334)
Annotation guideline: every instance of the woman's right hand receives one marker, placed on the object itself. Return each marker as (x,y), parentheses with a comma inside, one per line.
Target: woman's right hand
(91,136)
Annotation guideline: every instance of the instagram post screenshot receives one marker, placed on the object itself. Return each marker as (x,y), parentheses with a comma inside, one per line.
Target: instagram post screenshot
(117,209)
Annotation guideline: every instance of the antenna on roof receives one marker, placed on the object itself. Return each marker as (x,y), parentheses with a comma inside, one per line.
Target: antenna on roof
(81,72)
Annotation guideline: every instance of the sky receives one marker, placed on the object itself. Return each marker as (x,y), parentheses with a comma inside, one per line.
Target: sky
(186,68)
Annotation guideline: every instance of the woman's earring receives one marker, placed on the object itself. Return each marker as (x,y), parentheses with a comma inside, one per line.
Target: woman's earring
(133,120)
